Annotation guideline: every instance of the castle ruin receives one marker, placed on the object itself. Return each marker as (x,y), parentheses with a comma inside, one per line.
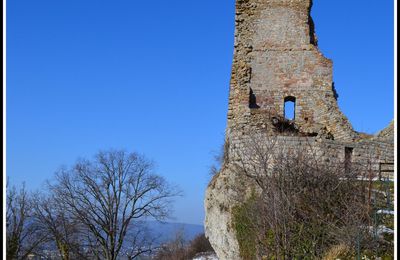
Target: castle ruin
(278,67)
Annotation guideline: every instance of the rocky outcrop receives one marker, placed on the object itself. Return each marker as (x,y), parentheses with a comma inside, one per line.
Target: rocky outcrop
(219,201)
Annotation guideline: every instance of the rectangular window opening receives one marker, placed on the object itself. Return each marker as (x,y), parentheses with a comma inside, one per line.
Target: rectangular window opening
(348,154)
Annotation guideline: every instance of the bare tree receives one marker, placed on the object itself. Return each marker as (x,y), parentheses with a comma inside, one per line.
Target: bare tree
(22,237)
(140,241)
(63,230)
(109,194)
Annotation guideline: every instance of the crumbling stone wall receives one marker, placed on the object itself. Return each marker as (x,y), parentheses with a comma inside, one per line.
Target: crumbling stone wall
(276,57)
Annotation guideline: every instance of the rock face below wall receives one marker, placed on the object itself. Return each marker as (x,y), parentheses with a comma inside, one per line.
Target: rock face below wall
(277,60)
(226,190)
(218,219)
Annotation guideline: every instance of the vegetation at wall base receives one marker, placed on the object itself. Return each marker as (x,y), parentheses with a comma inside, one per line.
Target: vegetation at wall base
(302,208)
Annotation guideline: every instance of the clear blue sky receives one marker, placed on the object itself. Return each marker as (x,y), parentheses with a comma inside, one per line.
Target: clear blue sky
(153,76)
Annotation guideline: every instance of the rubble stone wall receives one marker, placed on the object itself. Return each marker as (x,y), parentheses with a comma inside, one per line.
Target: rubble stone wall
(276,58)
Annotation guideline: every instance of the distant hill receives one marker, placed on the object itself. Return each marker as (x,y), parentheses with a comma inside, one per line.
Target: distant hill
(168,231)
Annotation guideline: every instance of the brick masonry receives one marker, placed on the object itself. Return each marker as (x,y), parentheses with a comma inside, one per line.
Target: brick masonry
(276,58)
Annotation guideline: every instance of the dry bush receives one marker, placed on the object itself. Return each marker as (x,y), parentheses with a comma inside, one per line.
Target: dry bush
(199,244)
(300,206)
(177,249)
(338,252)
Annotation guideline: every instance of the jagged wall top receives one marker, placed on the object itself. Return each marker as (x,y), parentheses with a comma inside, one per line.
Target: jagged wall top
(280,23)
(276,56)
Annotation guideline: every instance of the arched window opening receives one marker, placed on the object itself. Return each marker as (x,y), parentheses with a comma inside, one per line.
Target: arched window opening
(253,100)
(289,108)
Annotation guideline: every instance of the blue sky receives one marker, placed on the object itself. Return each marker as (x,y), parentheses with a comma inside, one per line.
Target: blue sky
(153,76)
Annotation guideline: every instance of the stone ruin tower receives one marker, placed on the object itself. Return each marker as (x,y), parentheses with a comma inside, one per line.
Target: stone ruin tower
(276,63)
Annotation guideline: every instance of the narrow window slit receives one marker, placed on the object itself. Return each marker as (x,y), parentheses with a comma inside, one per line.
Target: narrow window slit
(289,108)
(348,154)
